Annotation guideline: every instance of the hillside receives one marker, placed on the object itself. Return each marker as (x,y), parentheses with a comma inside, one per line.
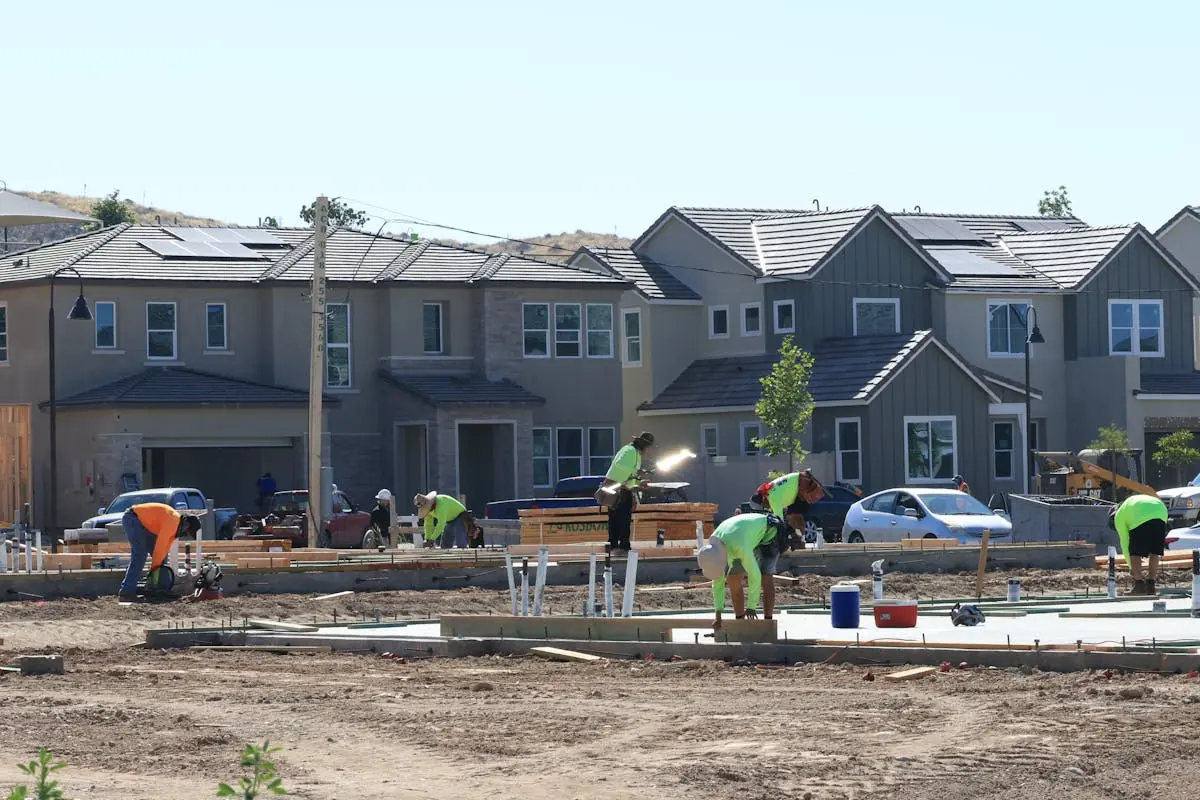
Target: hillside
(550,246)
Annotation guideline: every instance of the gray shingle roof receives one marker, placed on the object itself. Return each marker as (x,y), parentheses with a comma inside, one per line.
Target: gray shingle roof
(462,390)
(989,226)
(731,226)
(1179,383)
(796,243)
(186,388)
(987,267)
(1067,257)
(652,280)
(853,368)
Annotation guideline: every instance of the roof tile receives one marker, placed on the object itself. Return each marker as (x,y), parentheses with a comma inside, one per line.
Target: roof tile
(652,280)
(462,390)
(183,387)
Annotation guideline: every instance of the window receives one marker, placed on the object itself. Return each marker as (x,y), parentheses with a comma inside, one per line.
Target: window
(1007,328)
(537,329)
(718,322)
(105,314)
(750,433)
(542,455)
(882,504)
(431,328)
(751,319)
(337,345)
(599,330)
(849,450)
(160,331)
(602,446)
(567,328)
(876,316)
(1135,327)
(570,452)
(216,337)
(785,316)
(930,453)
(708,440)
(1003,450)
(633,336)
(3,333)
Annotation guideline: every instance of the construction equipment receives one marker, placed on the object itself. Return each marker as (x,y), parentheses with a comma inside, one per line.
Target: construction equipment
(1065,473)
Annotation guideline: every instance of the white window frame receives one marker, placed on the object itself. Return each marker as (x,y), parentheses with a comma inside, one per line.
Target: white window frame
(716,431)
(558,451)
(441,334)
(174,332)
(348,347)
(742,428)
(625,340)
(875,301)
(224,327)
(1015,438)
(578,332)
(712,311)
(778,304)
(96,326)
(587,330)
(1135,342)
(988,327)
(746,307)
(548,330)
(549,460)
(609,457)
(953,420)
(4,334)
(837,446)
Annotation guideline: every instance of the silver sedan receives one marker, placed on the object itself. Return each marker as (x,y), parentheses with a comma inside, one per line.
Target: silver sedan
(896,514)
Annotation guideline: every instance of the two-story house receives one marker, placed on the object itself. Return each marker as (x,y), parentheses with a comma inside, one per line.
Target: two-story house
(446,368)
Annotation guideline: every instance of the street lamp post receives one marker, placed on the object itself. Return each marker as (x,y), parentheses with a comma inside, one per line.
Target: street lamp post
(79,311)
(1034,336)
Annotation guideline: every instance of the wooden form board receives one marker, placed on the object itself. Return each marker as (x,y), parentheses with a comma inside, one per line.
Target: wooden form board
(16,465)
(649,508)
(222,546)
(558,654)
(592,529)
(615,629)
(910,674)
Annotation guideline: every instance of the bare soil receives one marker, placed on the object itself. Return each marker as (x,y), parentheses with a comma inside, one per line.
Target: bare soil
(170,724)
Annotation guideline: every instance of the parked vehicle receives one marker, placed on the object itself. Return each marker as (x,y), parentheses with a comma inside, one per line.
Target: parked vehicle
(1183,504)
(345,526)
(908,513)
(1184,538)
(578,492)
(182,499)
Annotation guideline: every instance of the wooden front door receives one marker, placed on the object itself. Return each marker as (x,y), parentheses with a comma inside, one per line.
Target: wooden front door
(16,472)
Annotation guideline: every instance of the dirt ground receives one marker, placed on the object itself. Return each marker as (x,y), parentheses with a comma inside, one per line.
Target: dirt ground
(137,724)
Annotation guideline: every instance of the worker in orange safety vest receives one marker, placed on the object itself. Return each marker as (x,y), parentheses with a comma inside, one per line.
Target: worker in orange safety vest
(151,529)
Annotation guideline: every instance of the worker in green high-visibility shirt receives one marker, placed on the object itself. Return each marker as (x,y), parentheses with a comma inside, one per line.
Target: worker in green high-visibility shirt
(747,543)
(1141,525)
(444,518)
(624,477)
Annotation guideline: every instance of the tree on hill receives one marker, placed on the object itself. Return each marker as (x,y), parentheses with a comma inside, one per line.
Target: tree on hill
(111,211)
(1055,203)
(270,222)
(340,214)
(1176,451)
(786,405)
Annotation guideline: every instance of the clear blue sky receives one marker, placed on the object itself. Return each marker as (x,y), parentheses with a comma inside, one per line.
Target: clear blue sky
(522,117)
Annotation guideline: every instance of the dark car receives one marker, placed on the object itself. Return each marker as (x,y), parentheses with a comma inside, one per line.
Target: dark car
(578,492)
(826,516)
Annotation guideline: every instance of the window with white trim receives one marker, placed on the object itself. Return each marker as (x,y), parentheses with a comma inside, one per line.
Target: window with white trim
(718,322)
(750,433)
(751,319)
(3,333)
(1135,327)
(708,441)
(569,449)
(632,329)
(849,449)
(431,328)
(930,449)
(543,455)
(216,333)
(602,446)
(1008,327)
(599,330)
(105,315)
(337,346)
(536,329)
(161,335)
(785,316)
(876,316)
(568,329)
(1004,449)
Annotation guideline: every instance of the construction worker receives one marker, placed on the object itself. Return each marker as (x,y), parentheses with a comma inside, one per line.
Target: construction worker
(749,544)
(625,475)
(266,490)
(381,514)
(151,529)
(444,519)
(960,483)
(790,497)
(1141,525)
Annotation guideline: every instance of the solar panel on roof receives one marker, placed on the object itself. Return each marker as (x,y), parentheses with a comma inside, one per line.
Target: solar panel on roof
(1041,225)
(227,235)
(937,229)
(210,250)
(964,262)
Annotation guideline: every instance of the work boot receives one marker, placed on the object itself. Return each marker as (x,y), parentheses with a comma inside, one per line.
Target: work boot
(1139,588)
(124,597)
(1150,589)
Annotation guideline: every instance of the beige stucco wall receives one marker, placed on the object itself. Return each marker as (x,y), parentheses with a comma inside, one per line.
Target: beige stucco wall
(1182,240)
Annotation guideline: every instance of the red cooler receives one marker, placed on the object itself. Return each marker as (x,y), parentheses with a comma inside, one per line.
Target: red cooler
(895,613)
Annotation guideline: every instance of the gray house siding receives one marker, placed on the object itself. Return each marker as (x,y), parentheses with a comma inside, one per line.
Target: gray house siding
(875,263)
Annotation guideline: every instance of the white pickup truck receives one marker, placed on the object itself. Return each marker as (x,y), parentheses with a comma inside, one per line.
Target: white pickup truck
(1183,503)
(182,499)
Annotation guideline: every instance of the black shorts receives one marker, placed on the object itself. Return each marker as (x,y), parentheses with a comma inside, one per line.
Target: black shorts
(800,506)
(1148,539)
(768,562)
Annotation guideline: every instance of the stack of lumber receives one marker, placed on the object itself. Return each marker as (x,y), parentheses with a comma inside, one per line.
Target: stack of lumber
(556,526)
(1171,559)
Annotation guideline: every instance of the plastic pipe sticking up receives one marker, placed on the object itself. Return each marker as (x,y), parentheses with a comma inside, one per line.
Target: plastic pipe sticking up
(608,585)
(699,534)
(3,556)
(512,581)
(1112,573)
(630,584)
(590,609)
(876,579)
(543,557)
(1014,590)
(524,587)
(1196,583)
(37,543)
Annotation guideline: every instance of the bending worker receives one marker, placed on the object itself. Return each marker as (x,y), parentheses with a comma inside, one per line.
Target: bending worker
(443,518)
(151,528)
(790,497)
(626,474)
(749,544)
(1141,525)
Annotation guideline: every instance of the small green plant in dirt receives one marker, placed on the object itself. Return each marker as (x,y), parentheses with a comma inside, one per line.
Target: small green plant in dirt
(40,769)
(262,779)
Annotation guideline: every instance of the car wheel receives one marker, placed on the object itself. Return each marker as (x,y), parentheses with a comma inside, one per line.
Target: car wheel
(812,530)
(325,539)
(929,536)
(857,538)
(226,533)
(372,539)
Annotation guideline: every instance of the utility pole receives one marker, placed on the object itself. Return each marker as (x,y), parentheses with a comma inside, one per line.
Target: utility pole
(316,375)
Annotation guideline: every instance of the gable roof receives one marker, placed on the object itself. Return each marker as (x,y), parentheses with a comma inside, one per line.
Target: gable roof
(984,228)
(462,390)
(651,280)
(186,388)
(1183,213)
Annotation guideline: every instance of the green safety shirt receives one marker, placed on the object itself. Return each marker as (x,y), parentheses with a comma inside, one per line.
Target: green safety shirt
(625,466)
(783,492)
(742,535)
(1135,510)
(445,510)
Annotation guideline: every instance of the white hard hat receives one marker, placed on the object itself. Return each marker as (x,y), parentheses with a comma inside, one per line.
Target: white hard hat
(712,558)
(384,494)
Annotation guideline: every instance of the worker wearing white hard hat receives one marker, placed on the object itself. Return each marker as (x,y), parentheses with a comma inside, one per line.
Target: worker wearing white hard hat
(381,514)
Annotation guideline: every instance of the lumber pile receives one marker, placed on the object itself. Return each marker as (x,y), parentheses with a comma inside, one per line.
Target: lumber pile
(1171,559)
(561,526)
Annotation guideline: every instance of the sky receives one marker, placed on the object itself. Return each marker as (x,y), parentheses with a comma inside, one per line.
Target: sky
(520,118)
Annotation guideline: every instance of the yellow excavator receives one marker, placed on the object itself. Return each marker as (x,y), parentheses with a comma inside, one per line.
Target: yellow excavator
(1082,475)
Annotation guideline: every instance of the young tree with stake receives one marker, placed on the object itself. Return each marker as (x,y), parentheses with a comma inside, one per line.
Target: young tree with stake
(786,405)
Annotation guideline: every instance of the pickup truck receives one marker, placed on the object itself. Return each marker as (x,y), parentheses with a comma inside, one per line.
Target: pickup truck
(578,493)
(182,499)
(346,527)
(1183,504)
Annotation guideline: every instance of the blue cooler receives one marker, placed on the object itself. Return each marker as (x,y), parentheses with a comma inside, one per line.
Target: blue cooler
(844,604)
